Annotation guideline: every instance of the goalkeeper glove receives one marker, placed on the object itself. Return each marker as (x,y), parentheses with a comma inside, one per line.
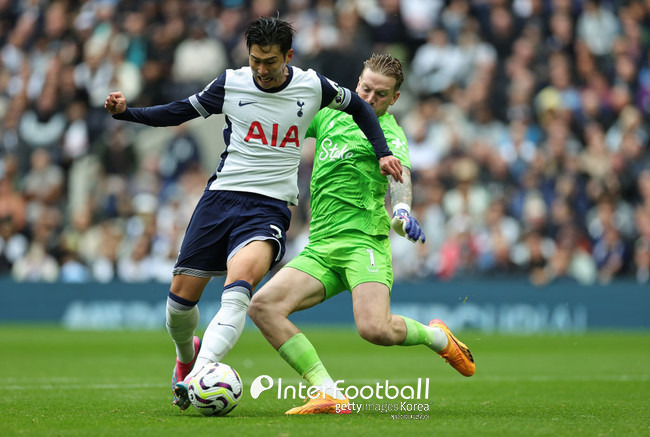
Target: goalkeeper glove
(406,225)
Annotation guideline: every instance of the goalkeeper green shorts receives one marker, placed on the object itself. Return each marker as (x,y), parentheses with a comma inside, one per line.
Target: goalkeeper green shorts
(346,260)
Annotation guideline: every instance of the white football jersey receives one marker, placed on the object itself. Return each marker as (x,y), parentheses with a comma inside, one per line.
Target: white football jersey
(265,129)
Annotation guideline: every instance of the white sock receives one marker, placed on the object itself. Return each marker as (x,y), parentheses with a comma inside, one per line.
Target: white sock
(328,387)
(226,327)
(438,337)
(181,320)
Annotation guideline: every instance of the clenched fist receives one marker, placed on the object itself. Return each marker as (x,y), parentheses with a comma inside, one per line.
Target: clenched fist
(115,103)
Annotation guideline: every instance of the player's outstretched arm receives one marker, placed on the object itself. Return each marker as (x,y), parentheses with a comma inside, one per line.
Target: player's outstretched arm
(171,114)
(403,222)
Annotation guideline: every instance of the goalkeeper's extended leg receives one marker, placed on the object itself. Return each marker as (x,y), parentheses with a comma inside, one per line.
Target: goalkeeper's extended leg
(376,324)
(269,310)
(301,355)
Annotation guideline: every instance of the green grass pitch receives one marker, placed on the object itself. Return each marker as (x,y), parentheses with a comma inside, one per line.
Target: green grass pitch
(68,383)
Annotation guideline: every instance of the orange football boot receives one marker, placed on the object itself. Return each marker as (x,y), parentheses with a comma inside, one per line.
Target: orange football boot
(455,353)
(323,404)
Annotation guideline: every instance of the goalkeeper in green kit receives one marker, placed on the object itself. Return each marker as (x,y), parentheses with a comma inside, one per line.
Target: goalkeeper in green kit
(348,247)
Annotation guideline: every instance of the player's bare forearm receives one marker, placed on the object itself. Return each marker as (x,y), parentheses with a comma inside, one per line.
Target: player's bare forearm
(401,192)
(403,223)
(391,166)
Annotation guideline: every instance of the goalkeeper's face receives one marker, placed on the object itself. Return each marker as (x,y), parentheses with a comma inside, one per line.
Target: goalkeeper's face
(377,90)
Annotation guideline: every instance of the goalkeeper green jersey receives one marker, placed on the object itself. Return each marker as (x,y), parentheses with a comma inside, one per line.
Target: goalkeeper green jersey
(347,187)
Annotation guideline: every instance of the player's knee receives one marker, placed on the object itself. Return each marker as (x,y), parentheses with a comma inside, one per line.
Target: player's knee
(256,309)
(375,332)
(261,308)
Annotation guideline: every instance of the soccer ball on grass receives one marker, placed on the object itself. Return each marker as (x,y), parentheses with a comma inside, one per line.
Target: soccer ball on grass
(215,390)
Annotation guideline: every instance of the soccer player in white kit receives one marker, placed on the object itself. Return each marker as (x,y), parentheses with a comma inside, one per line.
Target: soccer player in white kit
(239,226)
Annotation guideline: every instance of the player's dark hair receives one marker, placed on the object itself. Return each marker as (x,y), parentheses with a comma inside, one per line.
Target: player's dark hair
(269,31)
(387,65)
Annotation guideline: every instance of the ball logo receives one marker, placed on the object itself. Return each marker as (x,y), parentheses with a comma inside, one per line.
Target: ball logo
(257,387)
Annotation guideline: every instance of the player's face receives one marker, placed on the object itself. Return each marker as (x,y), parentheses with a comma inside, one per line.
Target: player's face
(269,65)
(378,90)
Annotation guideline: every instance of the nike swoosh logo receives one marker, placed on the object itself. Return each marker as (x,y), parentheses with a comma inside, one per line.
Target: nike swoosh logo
(225,324)
(245,103)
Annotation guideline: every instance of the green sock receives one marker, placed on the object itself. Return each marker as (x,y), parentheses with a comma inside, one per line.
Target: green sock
(301,355)
(416,333)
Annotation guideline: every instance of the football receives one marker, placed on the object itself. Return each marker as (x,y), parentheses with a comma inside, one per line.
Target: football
(215,390)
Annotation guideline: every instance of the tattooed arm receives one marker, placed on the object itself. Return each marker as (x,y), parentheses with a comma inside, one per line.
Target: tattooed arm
(401,192)
(401,195)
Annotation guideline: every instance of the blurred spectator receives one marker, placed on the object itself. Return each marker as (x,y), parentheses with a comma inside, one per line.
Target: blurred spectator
(609,254)
(12,204)
(436,64)
(10,142)
(430,133)
(388,26)
(629,122)
(43,124)
(610,212)
(429,193)
(136,264)
(467,197)
(340,55)
(642,261)
(103,262)
(95,73)
(527,124)
(561,33)
(36,266)
(198,59)
(453,18)
(42,185)
(76,139)
(572,259)
(597,27)
(494,239)
(459,252)
(181,153)
(532,255)
(72,269)
(39,263)
(135,26)
(516,149)
(501,30)
(13,244)
(560,97)
(595,160)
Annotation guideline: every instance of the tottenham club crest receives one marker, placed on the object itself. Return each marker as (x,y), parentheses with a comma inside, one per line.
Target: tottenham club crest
(300,105)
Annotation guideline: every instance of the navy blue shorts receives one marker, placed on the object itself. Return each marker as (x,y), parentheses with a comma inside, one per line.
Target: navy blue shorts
(225,221)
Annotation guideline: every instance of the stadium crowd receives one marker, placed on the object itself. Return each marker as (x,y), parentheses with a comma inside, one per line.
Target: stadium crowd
(527,123)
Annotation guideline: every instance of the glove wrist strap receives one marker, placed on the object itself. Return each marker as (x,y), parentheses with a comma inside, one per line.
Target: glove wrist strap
(402,206)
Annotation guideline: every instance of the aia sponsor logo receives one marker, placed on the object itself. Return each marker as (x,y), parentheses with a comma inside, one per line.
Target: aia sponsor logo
(256,132)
